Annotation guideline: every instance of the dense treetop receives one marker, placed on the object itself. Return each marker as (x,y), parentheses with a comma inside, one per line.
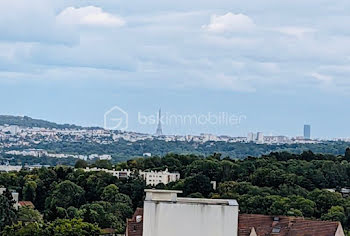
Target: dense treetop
(280,183)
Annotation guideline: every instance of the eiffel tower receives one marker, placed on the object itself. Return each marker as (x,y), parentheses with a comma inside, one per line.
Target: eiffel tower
(159,130)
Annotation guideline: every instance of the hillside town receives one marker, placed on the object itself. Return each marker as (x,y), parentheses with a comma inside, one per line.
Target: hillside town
(12,136)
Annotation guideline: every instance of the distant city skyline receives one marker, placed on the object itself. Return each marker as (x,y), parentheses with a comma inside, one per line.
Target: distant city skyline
(258,136)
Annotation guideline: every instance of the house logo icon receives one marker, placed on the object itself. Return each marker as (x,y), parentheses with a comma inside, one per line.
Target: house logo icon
(116,118)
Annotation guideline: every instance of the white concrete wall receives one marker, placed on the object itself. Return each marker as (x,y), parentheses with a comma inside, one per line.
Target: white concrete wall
(179,218)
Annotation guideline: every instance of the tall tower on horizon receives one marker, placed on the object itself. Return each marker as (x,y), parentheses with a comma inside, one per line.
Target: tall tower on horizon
(159,130)
(307,131)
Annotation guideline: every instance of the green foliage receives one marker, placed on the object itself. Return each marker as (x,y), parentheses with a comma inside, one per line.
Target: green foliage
(24,229)
(336,213)
(81,164)
(197,184)
(7,212)
(66,194)
(27,214)
(74,227)
(276,184)
(29,191)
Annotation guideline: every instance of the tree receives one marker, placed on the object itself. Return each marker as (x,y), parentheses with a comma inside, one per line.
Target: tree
(27,214)
(7,212)
(306,206)
(111,194)
(74,227)
(66,194)
(103,164)
(324,200)
(9,196)
(81,164)
(29,191)
(24,229)
(197,184)
(336,213)
(347,154)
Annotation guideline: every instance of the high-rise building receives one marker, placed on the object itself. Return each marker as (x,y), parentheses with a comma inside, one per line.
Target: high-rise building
(159,130)
(250,137)
(260,137)
(307,131)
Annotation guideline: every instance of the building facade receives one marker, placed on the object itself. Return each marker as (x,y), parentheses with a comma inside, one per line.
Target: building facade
(165,214)
(154,178)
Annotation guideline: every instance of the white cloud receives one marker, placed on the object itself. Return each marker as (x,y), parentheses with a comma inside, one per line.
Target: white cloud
(229,23)
(228,82)
(32,21)
(322,77)
(298,32)
(90,16)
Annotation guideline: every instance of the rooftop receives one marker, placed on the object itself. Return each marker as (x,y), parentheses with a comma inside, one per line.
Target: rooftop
(171,196)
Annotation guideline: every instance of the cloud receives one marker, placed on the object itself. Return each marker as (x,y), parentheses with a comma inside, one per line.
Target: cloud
(89,16)
(298,32)
(32,21)
(229,23)
(322,77)
(228,82)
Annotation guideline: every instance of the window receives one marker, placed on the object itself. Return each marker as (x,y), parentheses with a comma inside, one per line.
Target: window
(276,230)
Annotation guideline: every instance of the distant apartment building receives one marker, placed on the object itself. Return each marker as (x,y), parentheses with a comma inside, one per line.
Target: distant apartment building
(260,137)
(307,131)
(9,168)
(166,214)
(154,178)
(276,139)
(120,174)
(255,137)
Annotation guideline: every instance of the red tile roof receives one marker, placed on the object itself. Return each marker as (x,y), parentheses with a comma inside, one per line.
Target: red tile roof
(263,225)
(26,204)
(284,226)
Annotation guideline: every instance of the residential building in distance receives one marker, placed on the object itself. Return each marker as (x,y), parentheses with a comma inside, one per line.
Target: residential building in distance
(120,174)
(307,132)
(251,137)
(260,137)
(166,214)
(154,178)
(255,137)
(9,168)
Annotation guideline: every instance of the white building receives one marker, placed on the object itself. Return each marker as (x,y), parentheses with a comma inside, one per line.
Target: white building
(154,178)
(260,137)
(9,168)
(188,217)
(120,174)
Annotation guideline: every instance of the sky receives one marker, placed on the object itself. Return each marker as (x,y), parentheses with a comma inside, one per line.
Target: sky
(271,65)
